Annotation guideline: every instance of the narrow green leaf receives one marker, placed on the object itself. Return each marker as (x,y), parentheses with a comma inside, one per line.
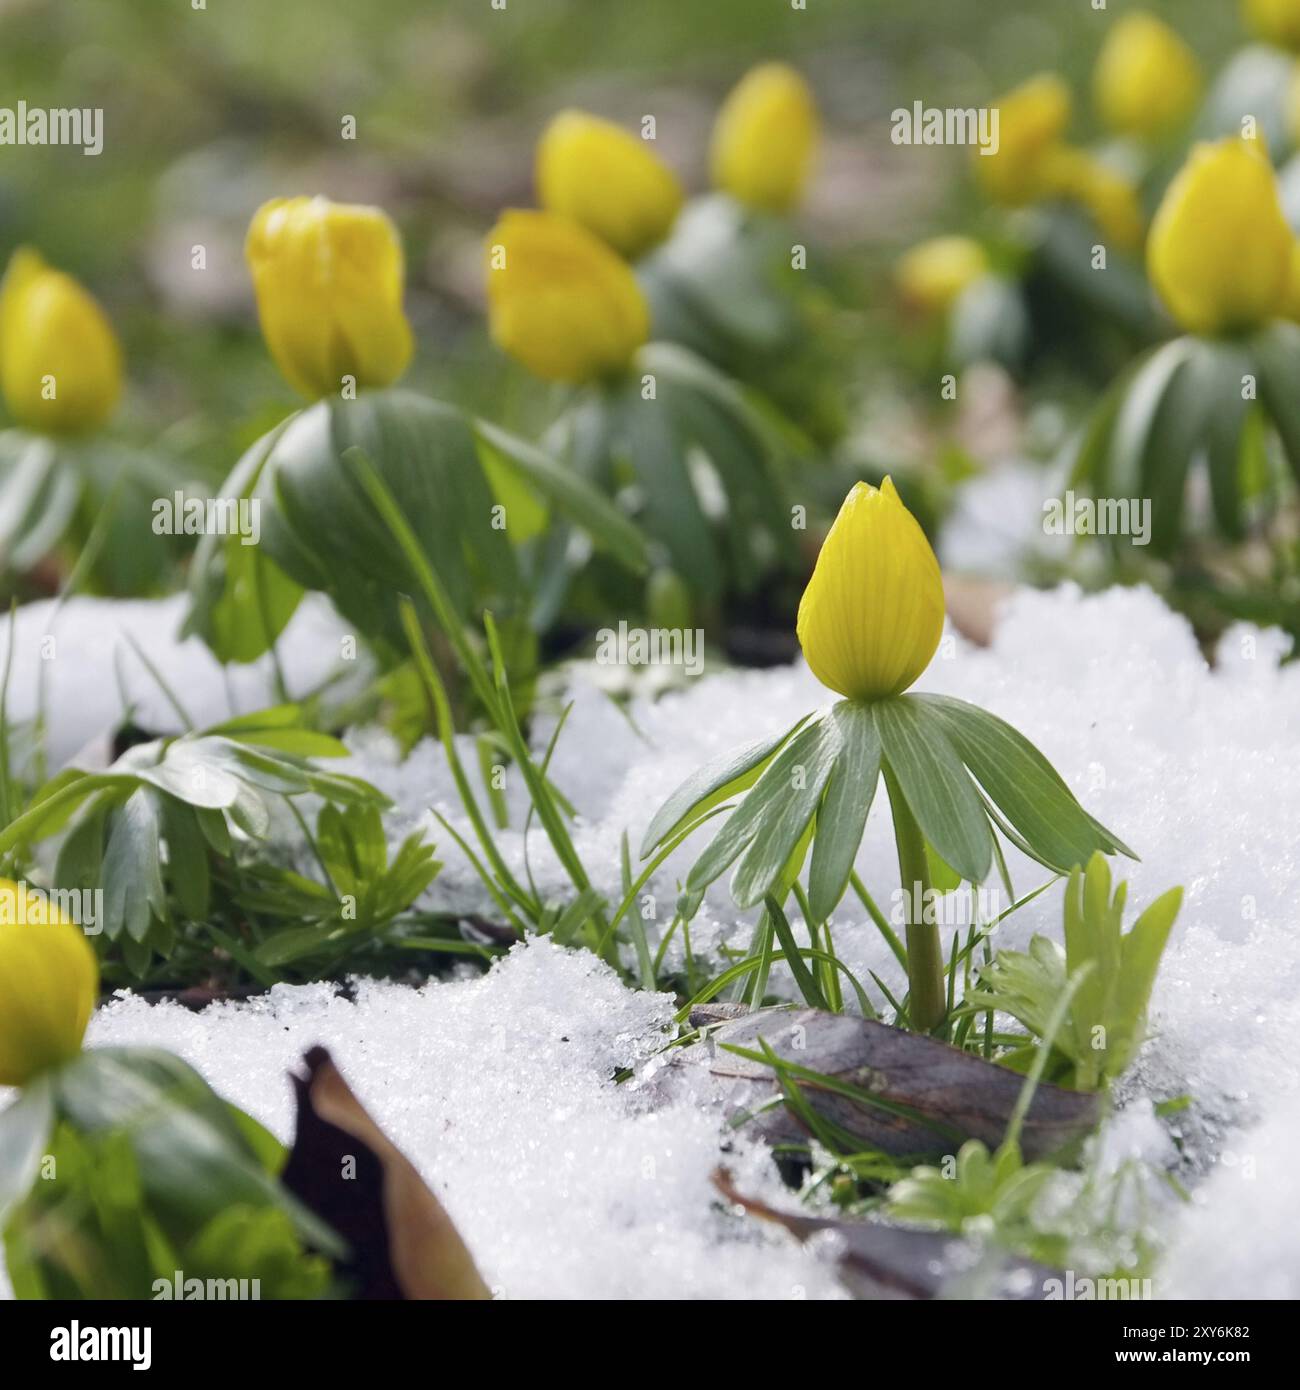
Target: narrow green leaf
(735,771)
(572,494)
(842,816)
(1025,787)
(936,785)
(778,807)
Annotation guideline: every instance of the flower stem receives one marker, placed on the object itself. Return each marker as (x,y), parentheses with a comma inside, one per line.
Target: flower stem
(928,1003)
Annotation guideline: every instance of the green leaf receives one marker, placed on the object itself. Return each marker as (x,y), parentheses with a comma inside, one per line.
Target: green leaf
(133,886)
(1225,432)
(321,528)
(608,528)
(1277,350)
(193,1157)
(191,770)
(25,1128)
(1140,958)
(842,816)
(803,977)
(936,785)
(673,513)
(1024,786)
(81,855)
(56,802)
(215,830)
(240,601)
(768,823)
(187,858)
(1135,422)
(733,772)
(1178,431)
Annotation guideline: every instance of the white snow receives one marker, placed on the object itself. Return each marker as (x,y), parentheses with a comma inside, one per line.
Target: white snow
(567,1185)
(77,666)
(564,1184)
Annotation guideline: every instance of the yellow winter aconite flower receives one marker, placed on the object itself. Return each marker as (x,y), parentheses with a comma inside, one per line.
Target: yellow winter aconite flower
(932,275)
(49,980)
(1031,121)
(1278,21)
(602,176)
(559,300)
(765,139)
(328,278)
(1110,198)
(60,363)
(1219,251)
(1147,80)
(872,614)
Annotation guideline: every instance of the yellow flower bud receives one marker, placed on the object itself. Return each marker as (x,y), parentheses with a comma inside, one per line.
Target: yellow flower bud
(60,363)
(1110,198)
(1031,121)
(605,178)
(1278,21)
(932,275)
(765,139)
(559,300)
(49,980)
(1219,252)
(1147,80)
(328,278)
(872,614)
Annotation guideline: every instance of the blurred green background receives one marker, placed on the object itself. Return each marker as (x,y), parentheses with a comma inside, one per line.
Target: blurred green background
(207,112)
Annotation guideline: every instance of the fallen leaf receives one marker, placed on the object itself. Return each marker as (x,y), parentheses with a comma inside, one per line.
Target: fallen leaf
(880,1262)
(933,1097)
(402,1244)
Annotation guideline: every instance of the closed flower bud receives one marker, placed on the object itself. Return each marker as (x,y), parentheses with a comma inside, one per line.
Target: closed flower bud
(932,275)
(60,363)
(765,139)
(1031,123)
(1110,198)
(1277,21)
(1219,252)
(1147,80)
(605,178)
(49,980)
(872,614)
(559,300)
(328,278)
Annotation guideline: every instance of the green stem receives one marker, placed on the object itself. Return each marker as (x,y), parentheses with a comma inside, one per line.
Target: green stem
(928,1004)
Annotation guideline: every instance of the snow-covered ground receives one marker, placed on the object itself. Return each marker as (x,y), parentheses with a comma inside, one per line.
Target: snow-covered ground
(501,1088)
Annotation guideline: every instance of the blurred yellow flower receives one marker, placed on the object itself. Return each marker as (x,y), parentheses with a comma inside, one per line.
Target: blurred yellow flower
(765,139)
(1278,21)
(932,275)
(1147,80)
(1111,199)
(602,176)
(328,278)
(1031,122)
(60,363)
(1219,252)
(872,614)
(49,980)
(559,300)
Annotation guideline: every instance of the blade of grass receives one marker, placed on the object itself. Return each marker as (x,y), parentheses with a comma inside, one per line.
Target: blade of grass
(446,730)
(803,977)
